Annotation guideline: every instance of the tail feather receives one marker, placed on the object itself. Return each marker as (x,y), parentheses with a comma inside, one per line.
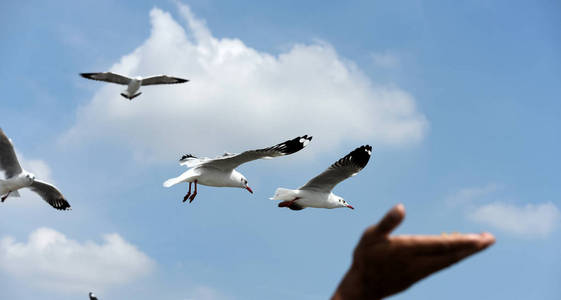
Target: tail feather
(172,181)
(283,194)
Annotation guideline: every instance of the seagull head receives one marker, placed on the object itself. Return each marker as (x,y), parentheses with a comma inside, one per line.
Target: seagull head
(245,186)
(30,177)
(342,203)
(240,181)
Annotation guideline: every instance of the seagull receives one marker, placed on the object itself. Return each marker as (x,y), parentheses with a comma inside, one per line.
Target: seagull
(317,191)
(221,171)
(17,178)
(92,296)
(133,84)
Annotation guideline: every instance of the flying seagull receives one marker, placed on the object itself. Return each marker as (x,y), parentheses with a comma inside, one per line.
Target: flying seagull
(221,171)
(133,84)
(17,178)
(317,192)
(92,296)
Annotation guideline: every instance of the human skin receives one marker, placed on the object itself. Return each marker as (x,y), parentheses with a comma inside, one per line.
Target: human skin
(384,265)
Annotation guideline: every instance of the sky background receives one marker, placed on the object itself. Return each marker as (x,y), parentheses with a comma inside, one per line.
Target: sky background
(460,102)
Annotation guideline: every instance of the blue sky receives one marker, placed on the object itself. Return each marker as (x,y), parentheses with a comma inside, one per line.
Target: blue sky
(459,101)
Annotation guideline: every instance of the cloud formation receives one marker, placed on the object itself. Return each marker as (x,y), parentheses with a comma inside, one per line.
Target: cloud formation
(239,97)
(50,260)
(530,220)
(468,195)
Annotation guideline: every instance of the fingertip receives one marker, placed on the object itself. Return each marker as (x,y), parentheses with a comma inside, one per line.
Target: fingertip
(399,210)
(488,238)
(391,220)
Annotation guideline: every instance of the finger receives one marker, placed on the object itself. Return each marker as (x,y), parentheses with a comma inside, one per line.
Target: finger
(388,223)
(442,245)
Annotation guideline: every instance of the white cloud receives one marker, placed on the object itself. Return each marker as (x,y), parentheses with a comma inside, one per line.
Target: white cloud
(530,220)
(385,59)
(471,194)
(239,97)
(38,167)
(50,260)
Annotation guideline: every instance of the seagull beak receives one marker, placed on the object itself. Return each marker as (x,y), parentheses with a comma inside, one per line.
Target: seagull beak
(249,189)
(349,206)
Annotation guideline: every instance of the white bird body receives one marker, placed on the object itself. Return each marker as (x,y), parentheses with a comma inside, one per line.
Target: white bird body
(221,172)
(209,177)
(307,198)
(317,192)
(22,180)
(132,88)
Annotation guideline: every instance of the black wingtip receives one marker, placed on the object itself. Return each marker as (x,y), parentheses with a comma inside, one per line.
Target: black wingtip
(87,75)
(361,155)
(186,156)
(61,204)
(294,145)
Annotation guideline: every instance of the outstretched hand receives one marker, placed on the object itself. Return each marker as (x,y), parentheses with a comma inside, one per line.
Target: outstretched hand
(384,265)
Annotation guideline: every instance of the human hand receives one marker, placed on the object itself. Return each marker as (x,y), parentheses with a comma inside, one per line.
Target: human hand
(384,265)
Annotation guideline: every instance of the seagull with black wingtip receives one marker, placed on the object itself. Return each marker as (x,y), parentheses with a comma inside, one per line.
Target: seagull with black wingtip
(220,171)
(133,84)
(317,192)
(17,178)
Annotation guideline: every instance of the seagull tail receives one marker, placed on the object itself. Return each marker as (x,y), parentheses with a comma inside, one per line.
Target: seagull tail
(173,181)
(284,194)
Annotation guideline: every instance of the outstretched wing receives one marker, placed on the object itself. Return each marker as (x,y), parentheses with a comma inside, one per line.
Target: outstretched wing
(50,194)
(231,161)
(162,79)
(8,160)
(342,169)
(107,77)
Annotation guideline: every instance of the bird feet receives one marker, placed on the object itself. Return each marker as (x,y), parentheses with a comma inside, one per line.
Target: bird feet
(187,197)
(192,197)
(5,196)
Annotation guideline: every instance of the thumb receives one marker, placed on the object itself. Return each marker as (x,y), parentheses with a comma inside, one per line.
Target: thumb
(388,223)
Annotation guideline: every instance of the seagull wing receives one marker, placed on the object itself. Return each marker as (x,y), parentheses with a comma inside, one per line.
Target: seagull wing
(162,79)
(50,194)
(190,161)
(231,161)
(342,169)
(107,77)
(8,159)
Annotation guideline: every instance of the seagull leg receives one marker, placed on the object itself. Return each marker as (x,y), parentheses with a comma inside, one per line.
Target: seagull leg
(6,196)
(188,193)
(194,194)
